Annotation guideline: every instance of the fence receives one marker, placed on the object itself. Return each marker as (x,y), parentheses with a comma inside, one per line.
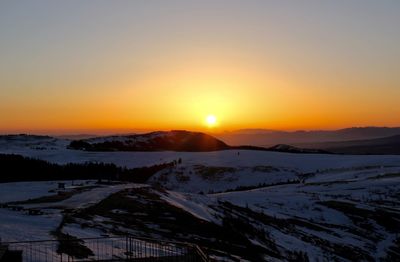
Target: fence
(103,249)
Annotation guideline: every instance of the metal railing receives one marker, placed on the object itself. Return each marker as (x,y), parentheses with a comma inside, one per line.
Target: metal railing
(104,249)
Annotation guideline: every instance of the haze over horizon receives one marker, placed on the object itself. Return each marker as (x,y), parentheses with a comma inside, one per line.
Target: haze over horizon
(80,67)
(212,132)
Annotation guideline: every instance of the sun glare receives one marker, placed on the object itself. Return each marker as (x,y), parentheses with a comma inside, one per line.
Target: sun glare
(211,120)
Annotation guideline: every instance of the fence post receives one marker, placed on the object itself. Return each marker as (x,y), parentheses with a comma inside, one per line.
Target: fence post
(135,247)
(126,247)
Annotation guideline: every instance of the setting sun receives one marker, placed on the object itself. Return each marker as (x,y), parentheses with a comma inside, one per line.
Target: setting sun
(211,120)
(177,67)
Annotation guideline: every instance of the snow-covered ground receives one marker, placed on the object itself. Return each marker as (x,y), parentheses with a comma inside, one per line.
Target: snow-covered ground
(57,152)
(210,179)
(86,198)
(361,196)
(194,204)
(328,207)
(352,208)
(16,224)
(19,191)
(19,226)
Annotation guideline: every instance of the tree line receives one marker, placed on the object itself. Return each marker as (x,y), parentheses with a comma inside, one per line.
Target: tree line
(15,168)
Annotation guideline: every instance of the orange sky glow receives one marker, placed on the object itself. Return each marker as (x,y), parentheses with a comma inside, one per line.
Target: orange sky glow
(103,68)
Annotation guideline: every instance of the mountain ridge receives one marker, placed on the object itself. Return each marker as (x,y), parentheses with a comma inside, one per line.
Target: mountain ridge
(188,141)
(268,138)
(385,145)
(175,140)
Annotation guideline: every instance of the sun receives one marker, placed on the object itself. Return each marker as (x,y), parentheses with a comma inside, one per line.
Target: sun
(211,120)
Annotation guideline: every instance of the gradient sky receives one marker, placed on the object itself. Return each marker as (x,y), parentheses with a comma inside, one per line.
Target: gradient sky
(69,66)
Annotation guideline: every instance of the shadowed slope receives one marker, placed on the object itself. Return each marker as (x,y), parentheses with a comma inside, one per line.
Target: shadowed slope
(155,141)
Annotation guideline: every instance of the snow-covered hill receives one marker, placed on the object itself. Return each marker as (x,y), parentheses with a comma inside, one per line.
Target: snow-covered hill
(236,204)
(177,140)
(55,150)
(14,143)
(209,179)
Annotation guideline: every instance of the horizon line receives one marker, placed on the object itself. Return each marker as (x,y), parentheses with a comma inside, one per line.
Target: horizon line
(125,131)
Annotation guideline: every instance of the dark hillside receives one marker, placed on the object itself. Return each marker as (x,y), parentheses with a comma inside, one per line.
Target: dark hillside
(156,141)
(380,146)
(15,168)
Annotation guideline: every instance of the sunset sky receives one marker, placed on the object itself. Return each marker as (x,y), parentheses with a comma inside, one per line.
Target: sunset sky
(96,66)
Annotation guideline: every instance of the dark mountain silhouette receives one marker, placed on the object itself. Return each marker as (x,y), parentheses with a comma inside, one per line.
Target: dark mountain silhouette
(77,136)
(172,141)
(267,138)
(187,141)
(176,140)
(386,145)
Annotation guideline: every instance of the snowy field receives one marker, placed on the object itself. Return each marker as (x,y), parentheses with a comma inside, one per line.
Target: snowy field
(55,150)
(324,207)
(16,224)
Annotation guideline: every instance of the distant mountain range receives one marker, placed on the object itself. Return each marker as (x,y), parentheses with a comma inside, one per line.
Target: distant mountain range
(378,146)
(267,138)
(318,142)
(177,140)
(76,136)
